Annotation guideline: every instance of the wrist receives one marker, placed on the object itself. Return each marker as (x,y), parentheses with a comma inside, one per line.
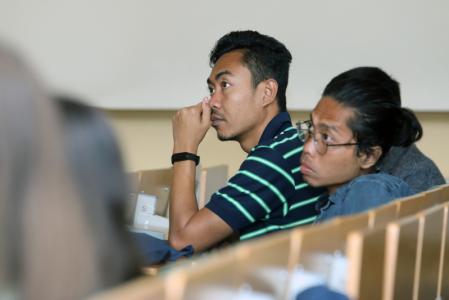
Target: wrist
(183,156)
(185,148)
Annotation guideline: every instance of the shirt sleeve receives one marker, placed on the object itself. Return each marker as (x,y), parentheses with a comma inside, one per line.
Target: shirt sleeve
(262,185)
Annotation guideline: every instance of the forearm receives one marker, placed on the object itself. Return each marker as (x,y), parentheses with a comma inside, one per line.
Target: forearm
(183,204)
(188,225)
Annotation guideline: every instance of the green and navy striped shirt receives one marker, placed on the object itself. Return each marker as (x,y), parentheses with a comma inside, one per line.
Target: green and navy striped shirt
(268,192)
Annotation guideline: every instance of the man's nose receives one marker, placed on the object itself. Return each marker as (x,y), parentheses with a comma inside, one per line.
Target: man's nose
(309,146)
(215,100)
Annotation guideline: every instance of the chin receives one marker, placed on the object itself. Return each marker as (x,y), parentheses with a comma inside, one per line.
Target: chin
(311,182)
(222,137)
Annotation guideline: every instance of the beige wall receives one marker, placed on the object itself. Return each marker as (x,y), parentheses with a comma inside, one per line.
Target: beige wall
(146,140)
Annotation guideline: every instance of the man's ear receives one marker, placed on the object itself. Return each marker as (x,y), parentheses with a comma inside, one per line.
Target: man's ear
(270,91)
(369,160)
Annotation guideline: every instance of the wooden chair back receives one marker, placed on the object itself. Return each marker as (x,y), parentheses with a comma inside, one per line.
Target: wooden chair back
(211,180)
(413,204)
(381,216)
(267,262)
(216,275)
(327,238)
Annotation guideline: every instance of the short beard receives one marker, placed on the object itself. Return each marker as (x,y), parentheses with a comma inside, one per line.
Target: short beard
(226,138)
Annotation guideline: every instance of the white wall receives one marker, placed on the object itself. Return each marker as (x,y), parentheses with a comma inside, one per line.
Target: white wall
(153,54)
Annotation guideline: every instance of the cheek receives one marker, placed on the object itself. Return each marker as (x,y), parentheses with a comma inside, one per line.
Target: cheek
(334,170)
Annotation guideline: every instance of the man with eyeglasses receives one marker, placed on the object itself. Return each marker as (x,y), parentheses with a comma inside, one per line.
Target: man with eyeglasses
(350,131)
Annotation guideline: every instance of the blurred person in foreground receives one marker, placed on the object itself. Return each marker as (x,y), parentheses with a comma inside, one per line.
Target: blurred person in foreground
(50,245)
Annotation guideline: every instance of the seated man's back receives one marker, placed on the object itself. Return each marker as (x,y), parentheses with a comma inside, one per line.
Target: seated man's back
(412,166)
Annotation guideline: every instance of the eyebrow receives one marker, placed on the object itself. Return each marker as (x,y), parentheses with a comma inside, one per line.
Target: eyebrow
(325,126)
(218,75)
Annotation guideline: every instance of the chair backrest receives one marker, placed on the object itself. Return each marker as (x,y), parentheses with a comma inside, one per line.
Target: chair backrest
(445,192)
(401,253)
(327,238)
(382,215)
(407,206)
(267,262)
(217,274)
(415,245)
(210,181)
(156,182)
(413,204)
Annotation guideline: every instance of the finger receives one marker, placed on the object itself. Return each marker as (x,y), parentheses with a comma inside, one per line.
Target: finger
(205,116)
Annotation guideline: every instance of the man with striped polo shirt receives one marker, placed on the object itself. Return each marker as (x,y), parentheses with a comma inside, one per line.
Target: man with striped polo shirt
(247,104)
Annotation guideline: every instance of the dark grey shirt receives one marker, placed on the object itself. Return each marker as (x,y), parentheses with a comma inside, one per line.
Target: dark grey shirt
(412,166)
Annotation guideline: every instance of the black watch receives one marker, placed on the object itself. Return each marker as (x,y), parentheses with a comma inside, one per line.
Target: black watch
(185,156)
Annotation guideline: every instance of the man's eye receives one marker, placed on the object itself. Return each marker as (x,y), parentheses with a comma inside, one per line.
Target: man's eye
(225,84)
(211,90)
(325,137)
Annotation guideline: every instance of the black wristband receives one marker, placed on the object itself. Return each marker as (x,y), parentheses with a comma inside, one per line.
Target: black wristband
(185,156)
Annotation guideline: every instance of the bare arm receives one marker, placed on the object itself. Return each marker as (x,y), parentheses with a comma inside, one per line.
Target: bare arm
(188,225)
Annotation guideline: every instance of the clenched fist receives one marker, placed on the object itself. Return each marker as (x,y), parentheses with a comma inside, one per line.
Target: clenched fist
(190,125)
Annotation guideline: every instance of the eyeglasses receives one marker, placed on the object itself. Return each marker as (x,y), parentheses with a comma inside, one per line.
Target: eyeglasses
(306,131)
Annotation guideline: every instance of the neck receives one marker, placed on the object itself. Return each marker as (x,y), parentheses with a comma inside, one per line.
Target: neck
(250,139)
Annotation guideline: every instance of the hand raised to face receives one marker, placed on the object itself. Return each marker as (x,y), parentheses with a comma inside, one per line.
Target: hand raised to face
(190,125)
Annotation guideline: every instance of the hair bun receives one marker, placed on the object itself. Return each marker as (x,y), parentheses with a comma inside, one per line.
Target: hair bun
(409,130)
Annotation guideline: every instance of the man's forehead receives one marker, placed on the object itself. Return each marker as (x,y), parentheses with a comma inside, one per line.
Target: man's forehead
(227,64)
(330,117)
(233,58)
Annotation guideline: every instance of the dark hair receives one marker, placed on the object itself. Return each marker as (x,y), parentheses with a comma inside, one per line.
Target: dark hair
(264,56)
(95,162)
(379,119)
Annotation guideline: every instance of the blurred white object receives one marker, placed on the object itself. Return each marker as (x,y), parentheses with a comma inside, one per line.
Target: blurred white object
(218,292)
(301,280)
(145,206)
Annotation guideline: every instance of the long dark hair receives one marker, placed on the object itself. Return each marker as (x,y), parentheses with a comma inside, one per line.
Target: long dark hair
(379,119)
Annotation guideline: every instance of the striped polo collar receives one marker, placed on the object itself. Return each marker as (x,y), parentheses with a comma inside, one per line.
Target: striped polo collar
(276,125)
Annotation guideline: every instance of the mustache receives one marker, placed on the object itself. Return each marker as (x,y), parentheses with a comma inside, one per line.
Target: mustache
(216,114)
(304,159)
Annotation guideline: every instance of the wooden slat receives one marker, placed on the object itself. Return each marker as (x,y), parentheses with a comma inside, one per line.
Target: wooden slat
(428,275)
(366,252)
(443,286)
(400,258)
